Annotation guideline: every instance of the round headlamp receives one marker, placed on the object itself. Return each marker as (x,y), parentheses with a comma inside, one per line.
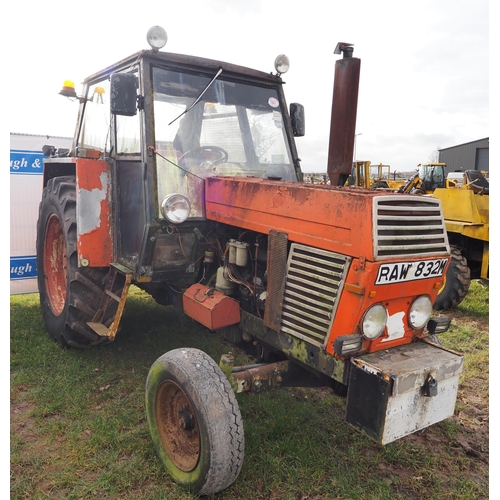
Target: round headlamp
(175,208)
(156,37)
(374,322)
(282,64)
(420,312)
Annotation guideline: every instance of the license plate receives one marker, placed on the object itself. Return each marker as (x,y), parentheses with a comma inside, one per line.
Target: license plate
(410,271)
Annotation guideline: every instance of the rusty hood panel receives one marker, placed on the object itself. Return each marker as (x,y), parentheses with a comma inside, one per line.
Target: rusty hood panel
(327,217)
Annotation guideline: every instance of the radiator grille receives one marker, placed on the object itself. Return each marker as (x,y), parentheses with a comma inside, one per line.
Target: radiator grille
(276,273)
(314,281)
(408,226)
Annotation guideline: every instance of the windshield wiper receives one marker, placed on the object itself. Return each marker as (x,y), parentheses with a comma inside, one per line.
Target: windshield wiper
(197,100)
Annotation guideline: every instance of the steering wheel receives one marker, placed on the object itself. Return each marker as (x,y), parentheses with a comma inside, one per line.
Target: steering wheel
(205,156)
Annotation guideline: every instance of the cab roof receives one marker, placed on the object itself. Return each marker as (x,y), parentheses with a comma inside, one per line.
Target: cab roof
(182,61)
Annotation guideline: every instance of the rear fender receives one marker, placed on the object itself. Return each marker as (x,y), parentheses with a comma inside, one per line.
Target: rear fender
(93,213)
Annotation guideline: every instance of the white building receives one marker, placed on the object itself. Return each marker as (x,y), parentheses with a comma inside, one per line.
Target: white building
(26,169)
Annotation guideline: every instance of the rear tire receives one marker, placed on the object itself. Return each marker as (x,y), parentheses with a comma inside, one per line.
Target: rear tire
(195,421)
(456,282)
(69,295)
(380,185)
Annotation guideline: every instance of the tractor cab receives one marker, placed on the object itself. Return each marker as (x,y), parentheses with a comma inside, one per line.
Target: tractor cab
(164,123)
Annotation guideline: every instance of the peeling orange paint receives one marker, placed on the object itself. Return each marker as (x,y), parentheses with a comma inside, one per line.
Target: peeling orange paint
(95,244)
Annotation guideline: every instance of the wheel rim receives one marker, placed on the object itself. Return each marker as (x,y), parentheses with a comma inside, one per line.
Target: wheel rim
(177,426)
(442,286)
(55,265)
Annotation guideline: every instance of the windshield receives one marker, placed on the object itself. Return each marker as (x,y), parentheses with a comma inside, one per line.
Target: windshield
(432,176)
(235,129)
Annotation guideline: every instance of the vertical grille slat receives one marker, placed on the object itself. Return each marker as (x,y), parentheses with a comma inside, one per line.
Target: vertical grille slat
(276,269)
(407,226)
(314,279)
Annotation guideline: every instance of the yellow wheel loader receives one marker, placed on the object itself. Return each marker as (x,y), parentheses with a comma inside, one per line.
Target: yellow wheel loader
(466,214)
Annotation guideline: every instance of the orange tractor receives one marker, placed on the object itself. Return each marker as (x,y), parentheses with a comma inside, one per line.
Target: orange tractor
(184,180)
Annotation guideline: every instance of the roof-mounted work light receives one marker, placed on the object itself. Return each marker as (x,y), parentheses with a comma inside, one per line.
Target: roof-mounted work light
(282,64)
(157,38)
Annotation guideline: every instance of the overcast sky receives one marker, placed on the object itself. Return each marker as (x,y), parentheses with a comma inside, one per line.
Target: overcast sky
(424,65)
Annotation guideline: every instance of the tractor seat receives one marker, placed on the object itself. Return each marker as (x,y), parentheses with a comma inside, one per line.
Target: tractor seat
(477,181)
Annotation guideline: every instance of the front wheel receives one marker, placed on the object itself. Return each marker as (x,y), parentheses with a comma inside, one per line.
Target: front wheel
(195,421)
(456,282)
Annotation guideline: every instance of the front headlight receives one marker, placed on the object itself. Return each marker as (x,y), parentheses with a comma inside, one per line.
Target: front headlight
(374,322)
(175,208)
(420,312)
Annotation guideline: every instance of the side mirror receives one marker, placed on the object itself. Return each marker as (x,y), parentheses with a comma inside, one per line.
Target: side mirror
(298,119)
(48,150)
(123,90)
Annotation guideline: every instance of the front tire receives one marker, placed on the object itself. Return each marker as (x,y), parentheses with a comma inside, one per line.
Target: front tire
(69,295)
(195,421)
(456,283)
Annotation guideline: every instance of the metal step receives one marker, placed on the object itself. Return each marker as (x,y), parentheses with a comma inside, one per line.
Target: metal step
(99,328)
(96,324)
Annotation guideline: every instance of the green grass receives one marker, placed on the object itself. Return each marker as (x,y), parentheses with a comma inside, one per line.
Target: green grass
(79,431)
(467,335)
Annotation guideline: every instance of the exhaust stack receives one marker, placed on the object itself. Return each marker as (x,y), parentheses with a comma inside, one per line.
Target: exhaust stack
(344,109)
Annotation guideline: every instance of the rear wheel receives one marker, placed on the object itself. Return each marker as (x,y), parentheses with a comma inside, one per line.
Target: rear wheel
(69,296)
(380,185)
(456,282)
(195,421)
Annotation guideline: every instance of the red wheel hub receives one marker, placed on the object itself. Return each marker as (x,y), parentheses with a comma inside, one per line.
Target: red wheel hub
(55,264)
(177,426)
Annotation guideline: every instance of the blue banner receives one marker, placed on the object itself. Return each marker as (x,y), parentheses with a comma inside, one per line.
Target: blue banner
(26,162)
(22,268)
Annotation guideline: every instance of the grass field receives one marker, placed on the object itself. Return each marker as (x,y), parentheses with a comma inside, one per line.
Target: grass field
(79,430)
